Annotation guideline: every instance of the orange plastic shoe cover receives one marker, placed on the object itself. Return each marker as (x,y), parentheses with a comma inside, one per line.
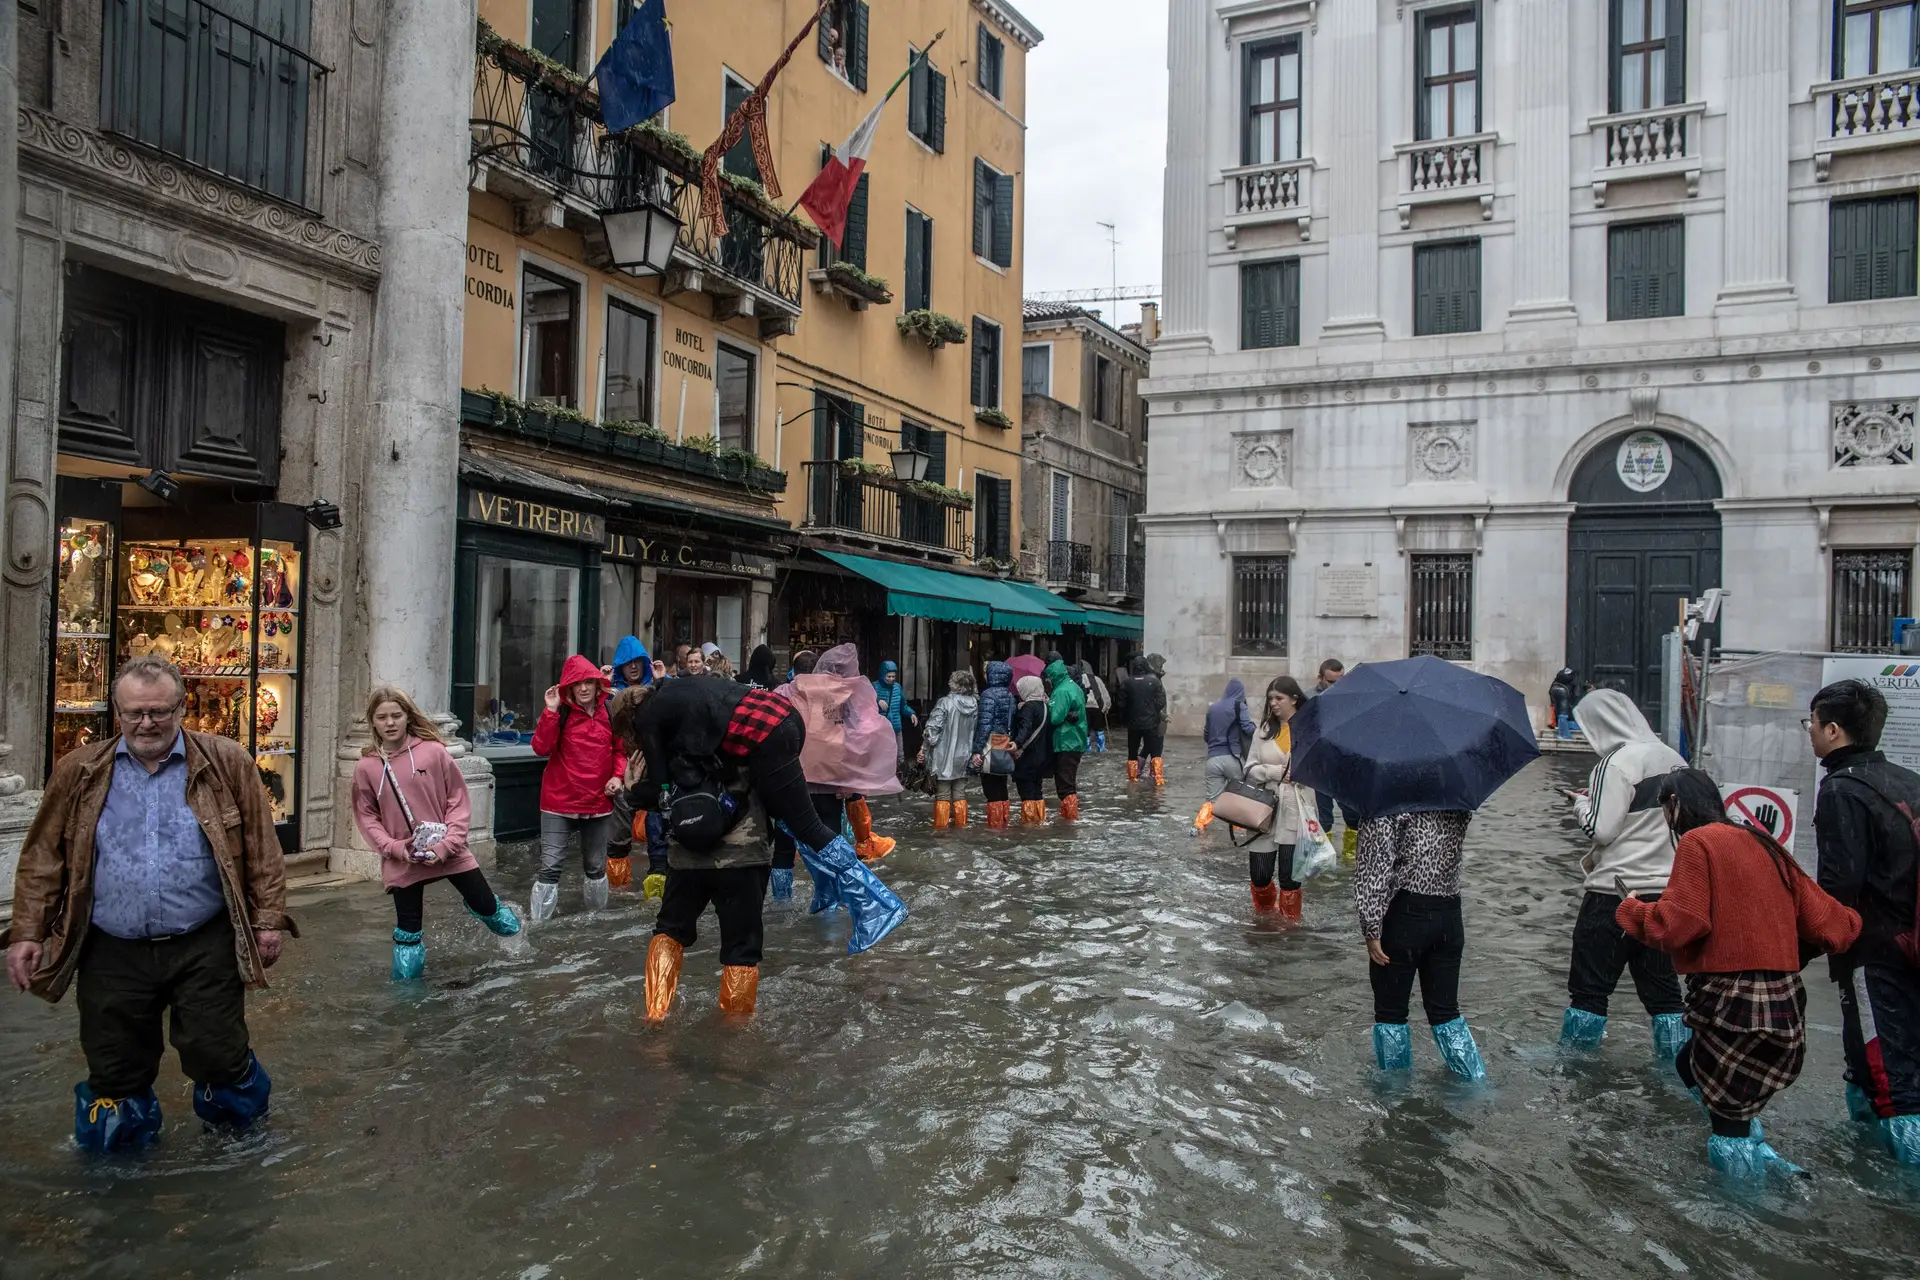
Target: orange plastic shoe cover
(663,975)
(739,987)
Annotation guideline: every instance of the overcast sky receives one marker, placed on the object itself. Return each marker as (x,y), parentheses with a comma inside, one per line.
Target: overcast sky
(1096,142)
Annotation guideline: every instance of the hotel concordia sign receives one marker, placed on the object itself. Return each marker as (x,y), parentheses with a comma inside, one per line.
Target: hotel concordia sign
(527,516)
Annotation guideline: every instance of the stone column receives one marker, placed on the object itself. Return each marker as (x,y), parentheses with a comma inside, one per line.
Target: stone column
(759,607)
(1350,59)
(1756,219)
(1185,245)
(1543,206)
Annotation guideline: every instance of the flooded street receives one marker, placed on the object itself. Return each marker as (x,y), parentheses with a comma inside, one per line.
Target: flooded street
(1080,1057)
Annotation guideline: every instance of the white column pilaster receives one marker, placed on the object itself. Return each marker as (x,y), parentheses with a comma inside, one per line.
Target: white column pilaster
(759,608)
(1350,37)
(1543,207)
(1758,91)
(1185,244)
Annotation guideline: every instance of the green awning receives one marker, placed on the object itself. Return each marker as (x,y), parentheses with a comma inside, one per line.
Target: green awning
(917,591)
(1037,602)
(1114,624)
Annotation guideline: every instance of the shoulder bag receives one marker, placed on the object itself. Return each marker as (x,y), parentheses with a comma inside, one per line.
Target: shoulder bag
(425,834)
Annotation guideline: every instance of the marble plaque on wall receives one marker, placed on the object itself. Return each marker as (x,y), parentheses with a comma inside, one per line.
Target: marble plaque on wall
(1347,590)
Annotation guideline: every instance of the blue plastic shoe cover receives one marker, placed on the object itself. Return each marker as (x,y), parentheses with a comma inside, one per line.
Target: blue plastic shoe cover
(1393,1046)
(1100,741)
(1458,1050)
(783,884)
(1902,1136)
(877,911)
(105,1125)
(235,1105)
(1670,1033)
(826,876)
(1580,1029)
(1860,1106)
(409,956)
(502,922)
(1748,1159)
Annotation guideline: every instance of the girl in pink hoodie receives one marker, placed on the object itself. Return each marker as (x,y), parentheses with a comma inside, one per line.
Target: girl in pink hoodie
(410,803)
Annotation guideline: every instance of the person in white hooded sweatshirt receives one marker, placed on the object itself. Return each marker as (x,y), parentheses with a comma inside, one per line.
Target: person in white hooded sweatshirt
(1627,846)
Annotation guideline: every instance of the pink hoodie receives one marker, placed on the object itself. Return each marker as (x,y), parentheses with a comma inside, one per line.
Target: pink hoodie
(437,793)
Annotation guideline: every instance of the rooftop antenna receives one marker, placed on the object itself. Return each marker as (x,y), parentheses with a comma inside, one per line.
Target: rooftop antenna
(1113,251)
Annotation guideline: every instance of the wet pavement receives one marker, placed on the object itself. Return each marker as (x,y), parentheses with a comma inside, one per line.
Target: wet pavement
(1081,1057)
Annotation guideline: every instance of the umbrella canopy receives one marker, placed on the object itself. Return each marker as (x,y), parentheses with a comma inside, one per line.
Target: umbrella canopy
(1026,664)
(1413,736)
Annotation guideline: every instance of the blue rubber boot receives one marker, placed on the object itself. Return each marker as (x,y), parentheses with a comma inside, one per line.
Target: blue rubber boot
(1860,1106)
(826,882)
(782,884)
(1393,1046)
(502,922)
(1902,1136)
(1749,1159)
(1580,1029)
(237,1105)
(1458,1050)
(102,1126)
(1670,1035)
(409,956)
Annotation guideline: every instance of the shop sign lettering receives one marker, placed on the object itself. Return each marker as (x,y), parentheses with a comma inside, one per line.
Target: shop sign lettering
(697,368)
(673,552)
(486,290)
(533,517)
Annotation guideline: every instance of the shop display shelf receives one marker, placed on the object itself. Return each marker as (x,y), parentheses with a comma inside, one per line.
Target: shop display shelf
(82,635)
(79,708)
(279,671)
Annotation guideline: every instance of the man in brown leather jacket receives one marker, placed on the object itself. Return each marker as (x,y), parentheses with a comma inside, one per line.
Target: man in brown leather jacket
(153,875)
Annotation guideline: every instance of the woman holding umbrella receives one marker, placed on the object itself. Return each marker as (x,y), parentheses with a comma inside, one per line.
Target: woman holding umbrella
(1417,746)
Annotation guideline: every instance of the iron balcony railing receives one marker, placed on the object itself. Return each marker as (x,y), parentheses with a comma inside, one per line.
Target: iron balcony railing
(547,129)
(873,507)
(1870,590)
(1442,607)
(1069,563)
(1126,573)
(184,78)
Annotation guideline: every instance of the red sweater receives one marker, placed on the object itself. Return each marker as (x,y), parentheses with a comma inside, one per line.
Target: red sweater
(1726,909)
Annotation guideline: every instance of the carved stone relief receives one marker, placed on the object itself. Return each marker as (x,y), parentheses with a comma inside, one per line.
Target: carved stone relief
(1440,451)
(1263,460)
(1875,433)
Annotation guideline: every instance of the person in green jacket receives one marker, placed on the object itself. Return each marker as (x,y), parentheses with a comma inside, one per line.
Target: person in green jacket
(1067,712)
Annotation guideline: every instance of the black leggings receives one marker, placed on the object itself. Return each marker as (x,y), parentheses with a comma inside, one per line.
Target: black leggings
(773,770)
(1423,937)
(1601,951)
(1153,740)
(1263,867)
(409,900)
(995,786)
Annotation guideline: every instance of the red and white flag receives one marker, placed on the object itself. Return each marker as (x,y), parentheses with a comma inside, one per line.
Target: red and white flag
(826,200)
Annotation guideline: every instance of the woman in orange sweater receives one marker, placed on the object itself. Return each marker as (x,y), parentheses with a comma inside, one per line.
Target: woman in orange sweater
(1741,920)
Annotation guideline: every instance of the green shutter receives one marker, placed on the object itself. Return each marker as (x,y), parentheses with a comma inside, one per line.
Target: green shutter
(857,47)
(853,429)
(982,208)
(1446,288)
(1871,248)
(919,90)
(915,264)
(1270,304)
(937,104)
(979,365)
(1892,269)
(926,263)
(823,425)
(1003,220)
(826,46)
(853,244)
(1003,520)
(1676,52)
(935,444)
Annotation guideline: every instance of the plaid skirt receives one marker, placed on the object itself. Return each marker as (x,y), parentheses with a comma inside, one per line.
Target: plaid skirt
(1749,1038)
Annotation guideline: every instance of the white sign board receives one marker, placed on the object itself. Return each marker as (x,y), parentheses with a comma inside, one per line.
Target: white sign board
(1347,591)
(1775,810)
(1899,682)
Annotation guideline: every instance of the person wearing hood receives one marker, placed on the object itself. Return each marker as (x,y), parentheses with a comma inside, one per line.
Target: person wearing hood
(585,767)
(632,665)
(1032,747)
(1631,848)
(893,705)
(1140,701)
(760,669)
(1067,713)
(947,747)
(1099,702)
(995,721)
(781,878)
(1229,732)
(844,660)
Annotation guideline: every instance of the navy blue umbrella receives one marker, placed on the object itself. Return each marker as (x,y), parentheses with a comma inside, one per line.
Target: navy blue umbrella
(1412,736)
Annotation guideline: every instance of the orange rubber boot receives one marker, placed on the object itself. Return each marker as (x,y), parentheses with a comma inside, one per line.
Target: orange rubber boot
(1266,898)
(739,986)
(1033,812)
(619,872)
(663,975)
(959,813)
(869,846)
(1159,772)
(1133,771)
(1201,819)
(998,811)
(942,815)
(1290,904)
(1070,807)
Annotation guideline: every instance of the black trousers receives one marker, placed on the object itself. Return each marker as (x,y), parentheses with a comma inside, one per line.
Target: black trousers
(409,901)
(1264,868)
(620,843)
(773,770)
(1030,785)
(1145,743)
(123,989)
(1423,937)
(736,894)
(1602,950)
(1066,773)
(994,785)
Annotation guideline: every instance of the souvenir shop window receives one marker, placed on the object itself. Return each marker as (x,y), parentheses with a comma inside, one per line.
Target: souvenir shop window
(83,637)
(528,620)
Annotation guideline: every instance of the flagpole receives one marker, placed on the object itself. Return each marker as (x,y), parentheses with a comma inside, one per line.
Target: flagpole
(912,62)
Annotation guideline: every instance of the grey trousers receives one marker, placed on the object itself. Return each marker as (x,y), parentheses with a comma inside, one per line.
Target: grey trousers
(555,830)
(1220,771)
(950,789)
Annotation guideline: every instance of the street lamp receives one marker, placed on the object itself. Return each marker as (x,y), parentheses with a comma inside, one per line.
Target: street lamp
(909,464)
(642,237)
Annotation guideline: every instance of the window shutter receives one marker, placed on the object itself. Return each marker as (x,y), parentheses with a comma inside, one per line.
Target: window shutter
(1676,51)
(980,55)
(824,426)
(937,109)
(1421,125)
(1841,220)
(1467,281)
(853,244)
(935,444)
(826,46)
(1671,296)
(1892,269)
(1003,519)
(916,280)
(979,364)
(1614,17)
(1003,220)
(917,94)
(853,436)
(926,263)
(982,209)
(857,47)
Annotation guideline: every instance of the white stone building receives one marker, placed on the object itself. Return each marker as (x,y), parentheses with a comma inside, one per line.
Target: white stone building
(1494,327)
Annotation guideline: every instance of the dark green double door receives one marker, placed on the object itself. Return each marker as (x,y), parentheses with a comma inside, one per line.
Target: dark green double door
(1628,576)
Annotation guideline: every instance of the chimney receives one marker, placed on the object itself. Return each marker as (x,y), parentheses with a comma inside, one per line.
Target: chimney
(1149,323)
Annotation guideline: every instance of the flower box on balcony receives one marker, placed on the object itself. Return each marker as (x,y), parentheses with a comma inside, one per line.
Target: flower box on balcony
(637,441)
(931,327)
(993,418)
(850,282)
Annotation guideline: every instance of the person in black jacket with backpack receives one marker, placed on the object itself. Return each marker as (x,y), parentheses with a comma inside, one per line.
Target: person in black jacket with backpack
(1140,701)
(1868,860)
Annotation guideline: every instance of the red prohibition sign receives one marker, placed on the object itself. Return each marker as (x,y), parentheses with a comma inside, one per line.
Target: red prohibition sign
(1753,804)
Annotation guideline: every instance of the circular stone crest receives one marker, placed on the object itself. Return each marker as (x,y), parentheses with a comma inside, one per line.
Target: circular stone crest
(1645,461)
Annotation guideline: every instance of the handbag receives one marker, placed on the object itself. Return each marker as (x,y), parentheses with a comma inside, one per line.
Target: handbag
(425,834)
(1241,804)
(999,761)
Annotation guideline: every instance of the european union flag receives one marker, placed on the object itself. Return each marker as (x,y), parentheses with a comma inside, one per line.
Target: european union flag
(636,72)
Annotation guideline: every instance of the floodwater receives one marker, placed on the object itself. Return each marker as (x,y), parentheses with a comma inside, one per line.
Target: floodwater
(1080,1058)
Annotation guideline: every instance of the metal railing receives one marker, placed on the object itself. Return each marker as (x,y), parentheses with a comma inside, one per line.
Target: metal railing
(839,499)
(1126,573)
(186,79)
(1870,590)
(1069,563)
(1442,606)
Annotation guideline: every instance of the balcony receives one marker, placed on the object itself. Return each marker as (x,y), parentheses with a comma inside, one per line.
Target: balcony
(1864,113)
(1658,143)
(187,80)
(1126,574)
(1259,193)
(882,509)
(537,142)
(1446,171)
(1069,564)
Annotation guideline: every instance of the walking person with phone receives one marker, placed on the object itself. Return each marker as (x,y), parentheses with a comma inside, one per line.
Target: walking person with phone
(410,803)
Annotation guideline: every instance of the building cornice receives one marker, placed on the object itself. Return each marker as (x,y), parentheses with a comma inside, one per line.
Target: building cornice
(182,192)
(1011,21)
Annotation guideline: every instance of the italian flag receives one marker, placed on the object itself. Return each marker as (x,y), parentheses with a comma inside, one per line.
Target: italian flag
(826,200)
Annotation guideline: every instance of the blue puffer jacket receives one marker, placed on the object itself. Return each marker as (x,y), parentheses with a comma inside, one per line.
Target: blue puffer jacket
(996,705)
(891,697)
